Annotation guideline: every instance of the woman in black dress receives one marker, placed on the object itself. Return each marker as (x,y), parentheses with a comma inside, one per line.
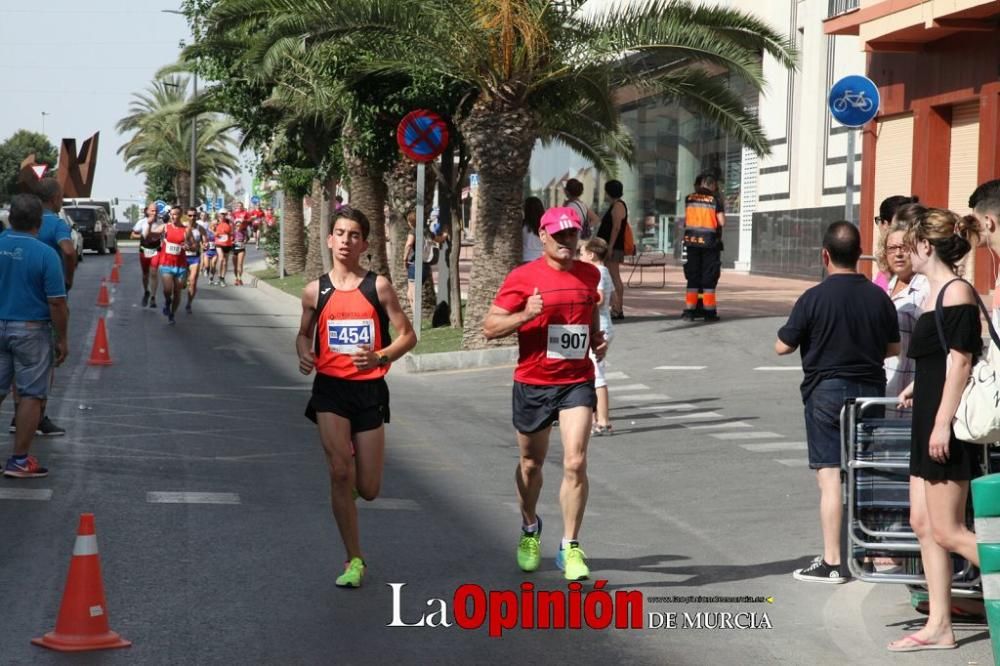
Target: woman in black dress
(612,230)
(941,466)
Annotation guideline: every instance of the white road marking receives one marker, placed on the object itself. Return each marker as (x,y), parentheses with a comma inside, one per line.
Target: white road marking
(778,368)
(389,504)
(792,462)
(545,510)
(696,415)
(682,407)
(627,387)
(775,446)
(719,426)
(746,435)
(169,497)
(41,494)
(611,376)
(641,397)
(680,367)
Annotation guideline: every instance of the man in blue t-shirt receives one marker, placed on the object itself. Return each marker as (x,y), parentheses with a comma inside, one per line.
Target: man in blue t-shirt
(32,307)
(55,233)
(845,327)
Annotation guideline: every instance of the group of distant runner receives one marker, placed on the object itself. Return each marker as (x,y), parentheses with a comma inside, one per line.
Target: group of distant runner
(177,245)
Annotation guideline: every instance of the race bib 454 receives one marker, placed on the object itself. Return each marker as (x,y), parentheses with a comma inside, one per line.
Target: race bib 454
(344,335)
(568,341)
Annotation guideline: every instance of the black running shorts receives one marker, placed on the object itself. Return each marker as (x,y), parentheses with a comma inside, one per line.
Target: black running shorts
(365,403)
(536,407)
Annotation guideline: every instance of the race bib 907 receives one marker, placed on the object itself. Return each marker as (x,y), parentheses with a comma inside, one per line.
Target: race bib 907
(568,341)
(344,335)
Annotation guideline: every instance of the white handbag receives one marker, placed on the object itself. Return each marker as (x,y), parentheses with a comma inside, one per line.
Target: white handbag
(977,418)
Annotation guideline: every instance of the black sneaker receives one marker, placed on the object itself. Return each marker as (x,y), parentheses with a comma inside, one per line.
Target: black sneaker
(687,315)
(711,316)
(145,299)
(46,428)
(152,303)
(820,572)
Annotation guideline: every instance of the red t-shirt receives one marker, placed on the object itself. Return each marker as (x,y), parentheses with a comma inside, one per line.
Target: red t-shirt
(554,345)
(172,249)
(223,234)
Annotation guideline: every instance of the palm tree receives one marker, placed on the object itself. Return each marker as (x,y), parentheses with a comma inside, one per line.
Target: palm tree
(525,63)
(161,126)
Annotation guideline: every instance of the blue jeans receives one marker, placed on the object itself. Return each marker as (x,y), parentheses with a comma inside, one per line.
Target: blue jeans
(822,411)
(26,357)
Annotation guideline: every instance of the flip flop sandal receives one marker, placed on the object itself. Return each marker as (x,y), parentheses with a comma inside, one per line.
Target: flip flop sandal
(918,644)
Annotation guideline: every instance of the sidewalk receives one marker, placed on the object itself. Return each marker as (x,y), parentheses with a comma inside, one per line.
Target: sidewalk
(740,296)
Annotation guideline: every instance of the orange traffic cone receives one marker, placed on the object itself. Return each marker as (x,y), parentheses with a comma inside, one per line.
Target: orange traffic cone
(83,616)
(118,258)
(114,275)
(99,352)
(102,296)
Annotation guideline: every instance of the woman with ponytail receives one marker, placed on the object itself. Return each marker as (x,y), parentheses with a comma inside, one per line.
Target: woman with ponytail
(941,466)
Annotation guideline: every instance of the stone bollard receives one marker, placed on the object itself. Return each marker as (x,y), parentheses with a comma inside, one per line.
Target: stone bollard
(986,506)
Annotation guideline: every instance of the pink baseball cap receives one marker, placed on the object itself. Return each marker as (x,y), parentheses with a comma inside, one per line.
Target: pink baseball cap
(559,219)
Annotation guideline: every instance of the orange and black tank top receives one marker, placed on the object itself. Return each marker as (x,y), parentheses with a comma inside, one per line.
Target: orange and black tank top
(346,319)
(701,222)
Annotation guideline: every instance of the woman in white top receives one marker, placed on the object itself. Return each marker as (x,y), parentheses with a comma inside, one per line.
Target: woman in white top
(907,291)
(531,244)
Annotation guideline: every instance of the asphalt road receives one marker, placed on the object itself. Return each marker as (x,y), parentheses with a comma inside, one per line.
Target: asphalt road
(703,491)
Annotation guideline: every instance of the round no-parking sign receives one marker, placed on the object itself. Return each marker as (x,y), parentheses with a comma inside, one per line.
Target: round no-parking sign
(422,135)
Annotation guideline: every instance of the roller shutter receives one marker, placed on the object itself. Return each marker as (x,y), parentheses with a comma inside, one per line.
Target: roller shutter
(964,160)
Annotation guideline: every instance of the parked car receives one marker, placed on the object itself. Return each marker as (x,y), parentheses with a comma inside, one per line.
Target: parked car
(94,224)
(74,234)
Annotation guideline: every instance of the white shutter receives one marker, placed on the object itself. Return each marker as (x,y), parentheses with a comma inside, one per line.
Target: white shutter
(962,167)
(964,160)
(893,158)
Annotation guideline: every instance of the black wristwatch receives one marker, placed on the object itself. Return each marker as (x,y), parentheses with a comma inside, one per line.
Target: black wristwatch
(383,359)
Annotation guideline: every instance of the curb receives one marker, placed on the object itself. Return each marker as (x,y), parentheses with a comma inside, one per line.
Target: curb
(495,357)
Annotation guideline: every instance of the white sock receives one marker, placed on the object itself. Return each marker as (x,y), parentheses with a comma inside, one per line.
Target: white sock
(530,529)
(566,542)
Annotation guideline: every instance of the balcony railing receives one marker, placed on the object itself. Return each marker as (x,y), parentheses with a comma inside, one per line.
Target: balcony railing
(838,7)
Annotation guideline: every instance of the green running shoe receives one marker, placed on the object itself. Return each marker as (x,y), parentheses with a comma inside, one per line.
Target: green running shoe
(574,566)
(353,572)
(529,551)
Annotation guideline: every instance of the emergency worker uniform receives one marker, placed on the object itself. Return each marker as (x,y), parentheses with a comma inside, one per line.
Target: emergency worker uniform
(703,240)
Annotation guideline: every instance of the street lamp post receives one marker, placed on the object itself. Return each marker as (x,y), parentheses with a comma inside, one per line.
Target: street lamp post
(44,113)
(194,129)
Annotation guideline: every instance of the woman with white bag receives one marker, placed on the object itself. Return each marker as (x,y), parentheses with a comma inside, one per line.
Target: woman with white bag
(941,465)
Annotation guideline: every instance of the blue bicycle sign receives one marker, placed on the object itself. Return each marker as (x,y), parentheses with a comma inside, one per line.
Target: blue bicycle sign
(854,100)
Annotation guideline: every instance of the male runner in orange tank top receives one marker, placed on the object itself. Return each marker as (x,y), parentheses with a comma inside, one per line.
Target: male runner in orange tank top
(344,336)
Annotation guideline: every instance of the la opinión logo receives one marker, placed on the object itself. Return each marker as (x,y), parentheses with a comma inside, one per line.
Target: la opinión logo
(502,610)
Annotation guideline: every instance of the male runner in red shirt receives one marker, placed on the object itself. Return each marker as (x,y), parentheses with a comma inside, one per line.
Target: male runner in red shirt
(344,335)
(551,303)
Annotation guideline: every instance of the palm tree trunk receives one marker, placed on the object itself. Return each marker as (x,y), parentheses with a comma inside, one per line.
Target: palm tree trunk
(182,187)
(500,141)
(295,232)
(329,187)
(314,258)
(401,191)
(368,193)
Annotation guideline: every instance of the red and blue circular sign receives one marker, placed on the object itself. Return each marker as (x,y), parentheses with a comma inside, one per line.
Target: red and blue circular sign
(422,135)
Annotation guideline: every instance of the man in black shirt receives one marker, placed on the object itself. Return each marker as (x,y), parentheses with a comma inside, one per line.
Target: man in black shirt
(845,327)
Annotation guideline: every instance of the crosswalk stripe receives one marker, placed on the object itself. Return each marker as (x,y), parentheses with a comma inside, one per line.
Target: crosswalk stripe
(615,375)
(775,446)
(389,504)
(719,426)
(41,494)
(792,462)
(746,435)
(680,367)
(641,397)
(682,407)
(186,497)
(688,415)
(778,368)
(628,387)
(545,510)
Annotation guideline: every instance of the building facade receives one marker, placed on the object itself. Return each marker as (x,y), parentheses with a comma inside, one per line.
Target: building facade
(937,134)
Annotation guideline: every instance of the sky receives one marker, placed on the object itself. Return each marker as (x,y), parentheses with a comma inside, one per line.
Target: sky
(79,61)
